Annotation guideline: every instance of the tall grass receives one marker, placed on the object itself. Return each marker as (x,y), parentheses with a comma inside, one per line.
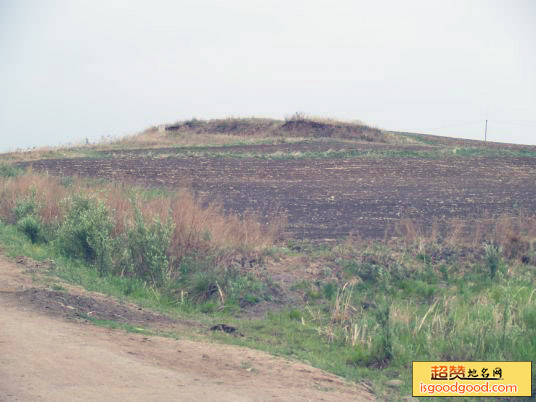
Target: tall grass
(514,234)
(425,299)
(131,231)
(7,170)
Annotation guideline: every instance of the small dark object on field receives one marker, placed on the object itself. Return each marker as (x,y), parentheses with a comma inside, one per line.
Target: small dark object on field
(248,262)
(225,328)
(366,305)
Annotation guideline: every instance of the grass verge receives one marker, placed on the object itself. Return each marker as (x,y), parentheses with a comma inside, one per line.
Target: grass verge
(439,153)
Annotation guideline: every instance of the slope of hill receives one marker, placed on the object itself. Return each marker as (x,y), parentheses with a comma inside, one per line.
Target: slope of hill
(329,178)
(394,247)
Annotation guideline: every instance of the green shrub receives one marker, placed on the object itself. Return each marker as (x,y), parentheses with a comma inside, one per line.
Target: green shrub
(529,317)
(27,220)
(313,294)
(86,232)
(9,170)
(384,345)
(419,288)
(360,358)
(203,286)
(32,227)
(368,272)
(295,315)
(67,181)
(208,307)
(329,289)
(147,249)
(26,206)
(493,259)
(243,289)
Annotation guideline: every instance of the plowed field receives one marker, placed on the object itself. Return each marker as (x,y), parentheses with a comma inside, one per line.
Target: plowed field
(328,198)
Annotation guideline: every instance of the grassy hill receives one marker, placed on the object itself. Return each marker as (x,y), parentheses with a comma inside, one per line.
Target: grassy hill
(349,247)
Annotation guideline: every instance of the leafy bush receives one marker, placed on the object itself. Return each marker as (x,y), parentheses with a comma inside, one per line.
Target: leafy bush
(329,289)
(32,227)
(26,206)
(244,290)
(203,286)
(384,352)
(147,249)
(86,232)
(529,317)
(368,272)
(359,357)
(417,288)
(493,259)
(9,170)
(28,221)
(67,181)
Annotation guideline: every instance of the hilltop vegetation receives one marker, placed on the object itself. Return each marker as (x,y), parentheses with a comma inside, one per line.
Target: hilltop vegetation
(297,126)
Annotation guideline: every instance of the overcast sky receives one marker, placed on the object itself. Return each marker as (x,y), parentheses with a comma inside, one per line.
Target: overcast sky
(75,69)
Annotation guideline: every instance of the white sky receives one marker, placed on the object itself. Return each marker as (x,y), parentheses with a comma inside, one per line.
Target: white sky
(76,69)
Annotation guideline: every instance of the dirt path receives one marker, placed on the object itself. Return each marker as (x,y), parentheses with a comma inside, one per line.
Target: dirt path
(46,357)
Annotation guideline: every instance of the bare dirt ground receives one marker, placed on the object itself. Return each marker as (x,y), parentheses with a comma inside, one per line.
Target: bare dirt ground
(48,352)
(328,198)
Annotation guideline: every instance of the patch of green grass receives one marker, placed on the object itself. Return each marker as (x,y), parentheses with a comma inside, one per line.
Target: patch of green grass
(328,154)
(117,325)
(474,151)
(438,153)
(7,170)
(58,288)
(418,138)
(128,327)
(15,243)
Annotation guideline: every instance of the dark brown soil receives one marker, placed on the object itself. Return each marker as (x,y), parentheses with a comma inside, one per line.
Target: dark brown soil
(70,306)
(327,199)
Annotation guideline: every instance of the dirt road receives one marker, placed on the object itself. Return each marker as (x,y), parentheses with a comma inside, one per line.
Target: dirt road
(46,357)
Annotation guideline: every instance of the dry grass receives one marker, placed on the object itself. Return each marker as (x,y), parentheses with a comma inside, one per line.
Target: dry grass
(514,234)
(197,228)
(346,322)
(48,194)
(225,131)
(216,132)
(343,310)
(322,119)
(154,139)
(47,152)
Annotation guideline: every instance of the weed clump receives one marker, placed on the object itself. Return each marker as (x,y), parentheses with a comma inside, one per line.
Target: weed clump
(86,232)
(33,228)
(493,259)
(27,219)
(147,248)
(26,206)
(169,241)
(9,170)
